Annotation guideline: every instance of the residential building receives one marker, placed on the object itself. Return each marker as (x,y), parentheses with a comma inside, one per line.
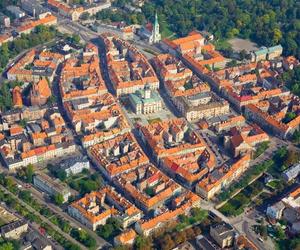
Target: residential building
(125,238)
(82,78)
(201,106)
(98,118)
(117,155)
(192,97)
(65,10)
(95,208)
(28,27)
(290,62)
(265,53)
(94,8)
(190,167)
(182,206)
(5,38)
(51,186)
(242,242)
(222,177)
(170,137)
(292,200)
(128,33)
(148,187)
(44,65)
(129,70)
(184,246)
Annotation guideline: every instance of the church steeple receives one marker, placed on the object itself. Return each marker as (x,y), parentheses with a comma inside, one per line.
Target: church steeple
(156,33)
(156,20)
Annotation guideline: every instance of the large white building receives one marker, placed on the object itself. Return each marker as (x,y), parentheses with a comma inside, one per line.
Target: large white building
(75,165)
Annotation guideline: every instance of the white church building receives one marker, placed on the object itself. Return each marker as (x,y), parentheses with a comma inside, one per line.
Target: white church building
(150,32)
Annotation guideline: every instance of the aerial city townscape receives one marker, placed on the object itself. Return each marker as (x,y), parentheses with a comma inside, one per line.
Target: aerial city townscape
(149,124)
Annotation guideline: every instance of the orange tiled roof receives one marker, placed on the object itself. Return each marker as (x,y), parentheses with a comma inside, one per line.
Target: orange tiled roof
(49,19)
(207,184)
(17,97)
(154,136)
(42,87)
(131,160)
(127,236)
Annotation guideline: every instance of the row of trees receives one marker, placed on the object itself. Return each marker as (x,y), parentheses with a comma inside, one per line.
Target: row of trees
(40,35)
(26,196)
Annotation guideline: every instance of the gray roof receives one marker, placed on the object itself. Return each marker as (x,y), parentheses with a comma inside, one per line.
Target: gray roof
(12,226)
(204,243)
(65,164)
(223,230)
(292,172)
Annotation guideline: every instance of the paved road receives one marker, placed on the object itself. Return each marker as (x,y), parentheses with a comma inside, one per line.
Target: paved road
(44,219)
(74,223)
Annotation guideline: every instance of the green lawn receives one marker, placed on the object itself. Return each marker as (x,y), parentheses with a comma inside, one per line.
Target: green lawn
(222,44)
(166,32)
(273,184)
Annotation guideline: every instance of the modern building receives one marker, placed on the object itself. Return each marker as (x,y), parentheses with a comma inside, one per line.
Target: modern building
(16,11)
(34,8)
(275,211)
(145,101)
(223,234)
(151,32)
(75,165)
(203,243)
(291,173)
(14,229)
(51,186)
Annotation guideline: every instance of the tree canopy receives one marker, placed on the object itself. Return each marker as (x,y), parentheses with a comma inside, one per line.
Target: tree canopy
(267,22)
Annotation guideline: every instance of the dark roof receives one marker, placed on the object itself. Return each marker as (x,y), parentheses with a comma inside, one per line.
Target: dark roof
(12,226)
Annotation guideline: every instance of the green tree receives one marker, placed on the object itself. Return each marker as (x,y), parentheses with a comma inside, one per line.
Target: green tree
(58,199)
(6,246)
(29,173)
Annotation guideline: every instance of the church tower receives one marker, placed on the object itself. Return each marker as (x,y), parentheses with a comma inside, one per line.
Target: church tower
(155,32)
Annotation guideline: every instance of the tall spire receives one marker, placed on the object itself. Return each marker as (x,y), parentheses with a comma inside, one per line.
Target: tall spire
(155,32)
(156,20)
